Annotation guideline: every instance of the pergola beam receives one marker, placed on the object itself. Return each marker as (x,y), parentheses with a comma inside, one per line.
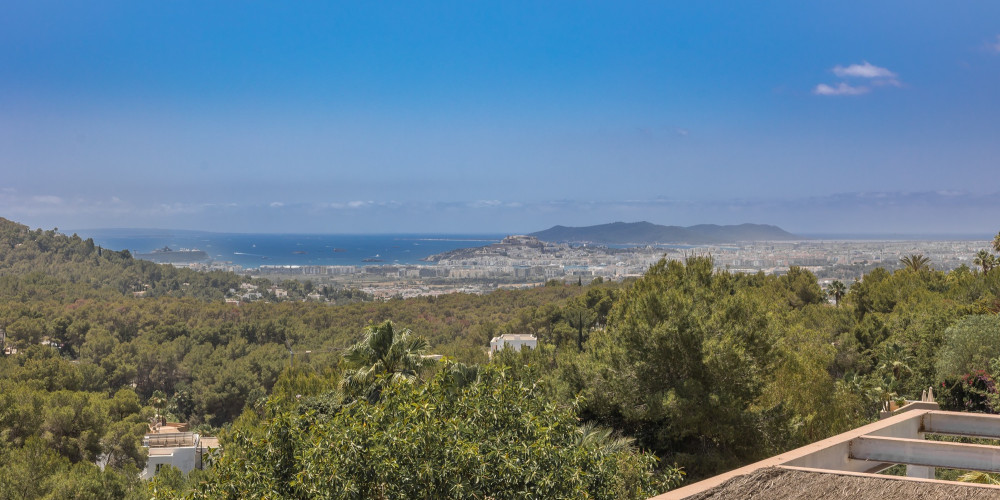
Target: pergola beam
(961,424)
(898,439)
(926,453)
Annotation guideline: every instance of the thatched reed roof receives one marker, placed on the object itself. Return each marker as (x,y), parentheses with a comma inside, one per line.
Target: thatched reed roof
(774,483)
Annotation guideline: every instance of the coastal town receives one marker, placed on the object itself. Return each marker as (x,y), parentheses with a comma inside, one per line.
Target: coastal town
(524,261)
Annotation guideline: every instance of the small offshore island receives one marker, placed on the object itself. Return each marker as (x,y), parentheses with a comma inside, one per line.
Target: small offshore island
(166,255)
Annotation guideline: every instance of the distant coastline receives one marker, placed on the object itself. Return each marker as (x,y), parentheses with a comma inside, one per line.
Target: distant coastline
(251,250)
(254,250)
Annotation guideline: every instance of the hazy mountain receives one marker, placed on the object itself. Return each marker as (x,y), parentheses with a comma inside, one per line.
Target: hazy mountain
(649,233)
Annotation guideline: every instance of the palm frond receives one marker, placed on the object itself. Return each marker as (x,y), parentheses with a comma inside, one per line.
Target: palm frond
(979,477)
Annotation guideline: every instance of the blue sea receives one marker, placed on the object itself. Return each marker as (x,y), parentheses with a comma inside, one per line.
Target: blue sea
(255,250)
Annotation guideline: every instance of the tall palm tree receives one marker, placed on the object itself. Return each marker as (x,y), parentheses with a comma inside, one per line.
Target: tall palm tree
(159,401)
(895,361)
(837,290)
(915,262)
(895,366)
(985,260)
(384,351)
(996,243)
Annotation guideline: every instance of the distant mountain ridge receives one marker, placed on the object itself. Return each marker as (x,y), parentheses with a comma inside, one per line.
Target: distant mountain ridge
(647,233)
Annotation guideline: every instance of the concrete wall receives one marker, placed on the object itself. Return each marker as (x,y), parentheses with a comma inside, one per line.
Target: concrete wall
(498,343)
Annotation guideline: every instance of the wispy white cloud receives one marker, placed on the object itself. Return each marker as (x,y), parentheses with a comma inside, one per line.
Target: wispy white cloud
(41,204)
(841,89)
(485,203)
(890,82)
(177,208)
(865,70)
(870,74)
(854,212)
(47,199)
(30,205)
(944,198)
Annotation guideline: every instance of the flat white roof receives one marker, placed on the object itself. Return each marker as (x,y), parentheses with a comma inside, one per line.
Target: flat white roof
(514,336)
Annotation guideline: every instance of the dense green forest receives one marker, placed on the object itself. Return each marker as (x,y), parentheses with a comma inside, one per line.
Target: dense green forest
(682,373)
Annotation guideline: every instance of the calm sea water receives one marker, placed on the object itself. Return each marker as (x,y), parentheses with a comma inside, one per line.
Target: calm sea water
(255,250)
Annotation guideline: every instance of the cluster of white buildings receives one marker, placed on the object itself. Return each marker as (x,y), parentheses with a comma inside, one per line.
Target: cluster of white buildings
(525,260)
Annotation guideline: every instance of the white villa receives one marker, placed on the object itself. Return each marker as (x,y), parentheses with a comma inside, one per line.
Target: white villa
(514,340)
(170,445)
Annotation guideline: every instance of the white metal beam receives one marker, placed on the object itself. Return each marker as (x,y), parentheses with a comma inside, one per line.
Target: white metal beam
(927,453)
(961,424)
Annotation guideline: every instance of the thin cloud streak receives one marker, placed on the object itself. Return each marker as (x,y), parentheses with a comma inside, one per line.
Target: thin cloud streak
(36,204)
(841,89)
(850,212)
(865,70)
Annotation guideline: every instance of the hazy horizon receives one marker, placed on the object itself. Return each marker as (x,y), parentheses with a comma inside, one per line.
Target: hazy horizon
(128,231)
(448,117)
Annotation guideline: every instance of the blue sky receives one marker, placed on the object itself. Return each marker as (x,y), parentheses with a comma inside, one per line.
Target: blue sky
(326,117)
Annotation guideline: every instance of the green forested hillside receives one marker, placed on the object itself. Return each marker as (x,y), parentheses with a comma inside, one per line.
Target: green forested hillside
(713,370)
(707,370)
(68,311)
(73,267)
